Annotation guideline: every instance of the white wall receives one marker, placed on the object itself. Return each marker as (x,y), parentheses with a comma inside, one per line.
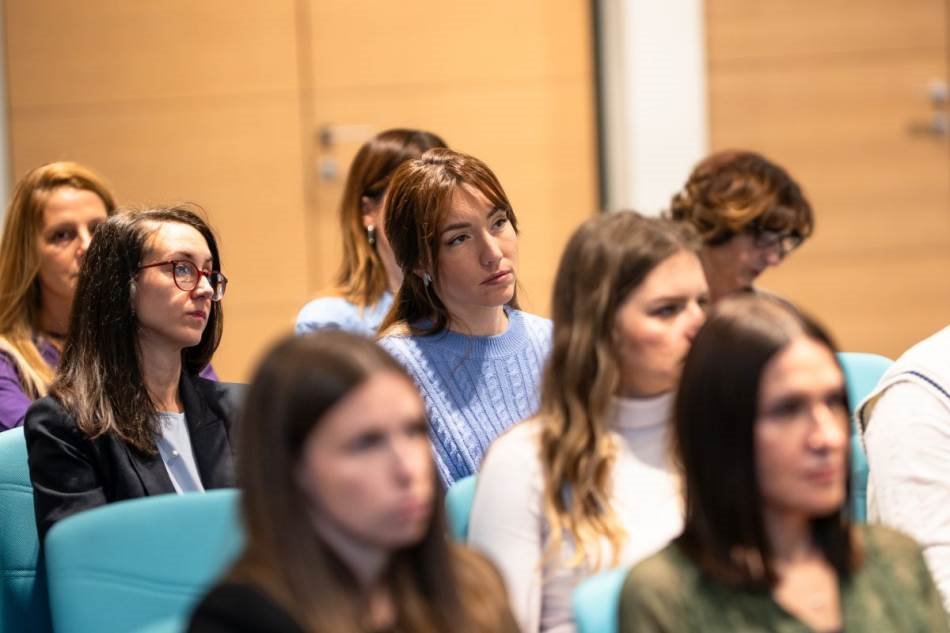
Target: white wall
(653,99)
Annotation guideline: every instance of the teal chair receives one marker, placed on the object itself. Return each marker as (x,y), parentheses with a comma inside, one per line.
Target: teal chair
(862,373)
(596,602)
(144,562)
(458,506)
(168,625)
(24,607)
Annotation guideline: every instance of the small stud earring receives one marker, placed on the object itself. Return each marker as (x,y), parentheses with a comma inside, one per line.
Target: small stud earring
(426,279)
(371,234)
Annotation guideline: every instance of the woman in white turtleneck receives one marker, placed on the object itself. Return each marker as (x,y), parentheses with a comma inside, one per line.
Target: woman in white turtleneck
(588,484)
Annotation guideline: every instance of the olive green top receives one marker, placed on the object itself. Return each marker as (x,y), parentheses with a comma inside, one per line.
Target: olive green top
(891,591)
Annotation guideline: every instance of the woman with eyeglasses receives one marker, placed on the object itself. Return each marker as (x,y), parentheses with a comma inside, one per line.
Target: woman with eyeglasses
(369,275)
(750,214)
(128,414)
(761,428)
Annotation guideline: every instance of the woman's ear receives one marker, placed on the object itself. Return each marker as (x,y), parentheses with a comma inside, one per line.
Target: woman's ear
(370,209)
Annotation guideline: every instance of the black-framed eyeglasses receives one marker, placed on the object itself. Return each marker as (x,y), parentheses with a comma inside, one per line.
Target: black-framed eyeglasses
(187,276)
(784,242)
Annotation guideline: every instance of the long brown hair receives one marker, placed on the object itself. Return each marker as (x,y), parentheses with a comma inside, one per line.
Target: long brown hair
(606,259)
(362,277)
(715,416)
(20,299)
(731,190)
(298,381)
(417,203)
(100,380)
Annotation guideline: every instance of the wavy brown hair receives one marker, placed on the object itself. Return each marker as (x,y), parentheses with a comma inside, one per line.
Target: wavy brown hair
(100,380)
(362,277)
(733,190)
(606,259)
(715,416)
(20,298)
(296,384)
(415,207)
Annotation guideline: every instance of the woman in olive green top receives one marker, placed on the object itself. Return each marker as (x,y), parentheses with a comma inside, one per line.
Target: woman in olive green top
(761,431)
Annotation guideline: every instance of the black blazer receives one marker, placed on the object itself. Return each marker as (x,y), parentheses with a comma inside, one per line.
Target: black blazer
(72,473)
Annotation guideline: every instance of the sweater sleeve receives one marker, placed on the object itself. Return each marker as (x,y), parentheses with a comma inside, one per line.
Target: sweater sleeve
(13,400)
(908,446)
(506,521)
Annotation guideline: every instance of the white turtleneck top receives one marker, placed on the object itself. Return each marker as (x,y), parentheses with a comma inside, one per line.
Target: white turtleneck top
(508,523)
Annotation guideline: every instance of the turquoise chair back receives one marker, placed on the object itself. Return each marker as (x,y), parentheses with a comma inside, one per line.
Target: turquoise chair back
(862,373)
(596,602)
(458,506)
(133,564)
(24,607)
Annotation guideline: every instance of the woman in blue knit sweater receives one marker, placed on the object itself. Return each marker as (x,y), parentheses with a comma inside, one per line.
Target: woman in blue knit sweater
(455,323)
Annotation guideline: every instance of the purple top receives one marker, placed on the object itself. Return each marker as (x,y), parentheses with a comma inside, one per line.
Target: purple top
(13,399)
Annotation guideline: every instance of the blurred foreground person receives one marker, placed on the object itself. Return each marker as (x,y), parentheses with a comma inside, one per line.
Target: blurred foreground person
(762,433)
(342,507)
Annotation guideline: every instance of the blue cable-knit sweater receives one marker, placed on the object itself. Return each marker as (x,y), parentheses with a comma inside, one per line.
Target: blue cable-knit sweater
(475,387)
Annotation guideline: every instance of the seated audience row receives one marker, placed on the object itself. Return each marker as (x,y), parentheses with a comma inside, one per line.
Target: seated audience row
(341,459)
(54,212)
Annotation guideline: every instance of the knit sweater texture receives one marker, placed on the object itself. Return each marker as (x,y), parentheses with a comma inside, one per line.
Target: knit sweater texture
(474,387)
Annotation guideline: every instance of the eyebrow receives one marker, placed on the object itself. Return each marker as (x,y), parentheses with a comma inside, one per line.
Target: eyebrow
(189,256)
(465,225)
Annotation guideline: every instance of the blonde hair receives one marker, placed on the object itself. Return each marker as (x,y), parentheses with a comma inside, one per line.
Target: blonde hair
(362,277)
(606,259)
(20,302)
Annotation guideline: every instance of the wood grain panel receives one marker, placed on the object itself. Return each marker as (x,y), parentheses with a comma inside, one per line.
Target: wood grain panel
(511,83)
(171,101)
(415,45)
(236,158)
(878,304)
(842,129)
(833,91)
(545,167)
(780,32)
(62,52)
(249,332)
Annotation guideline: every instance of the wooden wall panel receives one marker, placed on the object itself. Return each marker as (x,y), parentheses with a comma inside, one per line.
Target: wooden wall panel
(778,32)
(832,91)
(221,103)
(511,83)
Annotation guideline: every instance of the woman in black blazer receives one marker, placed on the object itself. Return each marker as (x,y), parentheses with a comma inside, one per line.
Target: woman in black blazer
(128,416)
